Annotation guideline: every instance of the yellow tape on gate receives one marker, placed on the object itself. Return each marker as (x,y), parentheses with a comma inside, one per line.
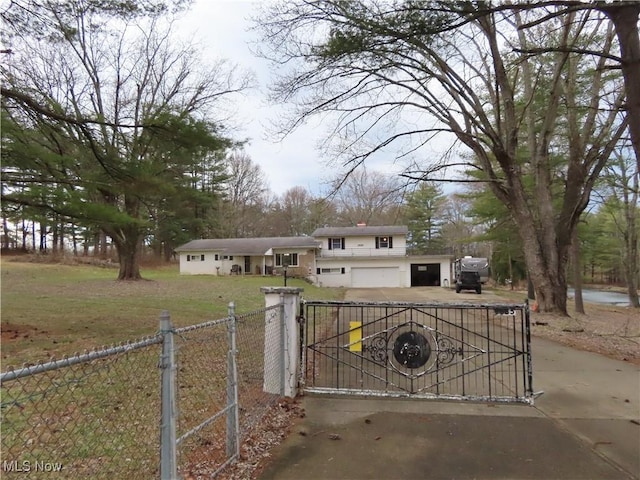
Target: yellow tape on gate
(355,336)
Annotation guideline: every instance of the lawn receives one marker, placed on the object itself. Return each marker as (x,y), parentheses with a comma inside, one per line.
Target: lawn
(56,309)
(100,419)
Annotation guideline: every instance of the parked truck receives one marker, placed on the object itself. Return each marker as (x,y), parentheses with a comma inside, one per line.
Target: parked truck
(470,273)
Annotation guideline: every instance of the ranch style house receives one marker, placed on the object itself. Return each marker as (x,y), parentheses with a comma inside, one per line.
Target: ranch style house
(355,257)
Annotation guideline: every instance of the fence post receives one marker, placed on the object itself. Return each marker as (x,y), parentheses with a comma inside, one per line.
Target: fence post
(168,457)
(233,418)
(282,345)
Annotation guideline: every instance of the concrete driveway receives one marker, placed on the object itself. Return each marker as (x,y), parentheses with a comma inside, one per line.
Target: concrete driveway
(586,425)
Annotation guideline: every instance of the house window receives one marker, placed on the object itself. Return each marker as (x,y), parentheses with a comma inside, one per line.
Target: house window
(227,257)
(195,258)
(293,259)
(332,270)
(384,242)
(336,244)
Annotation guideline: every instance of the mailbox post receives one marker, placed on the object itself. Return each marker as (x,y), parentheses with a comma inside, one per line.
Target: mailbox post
(286,261)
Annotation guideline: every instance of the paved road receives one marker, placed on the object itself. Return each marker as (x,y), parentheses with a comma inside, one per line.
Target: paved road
(586,425)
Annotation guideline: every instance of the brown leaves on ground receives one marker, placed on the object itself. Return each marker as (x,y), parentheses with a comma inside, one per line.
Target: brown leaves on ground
(607,330)
(255,451)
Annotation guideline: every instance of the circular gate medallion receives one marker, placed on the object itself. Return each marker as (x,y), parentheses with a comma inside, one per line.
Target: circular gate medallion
(411,349)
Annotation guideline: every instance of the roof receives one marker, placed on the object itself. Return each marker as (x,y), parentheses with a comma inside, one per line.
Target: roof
(360,231)
(247,246)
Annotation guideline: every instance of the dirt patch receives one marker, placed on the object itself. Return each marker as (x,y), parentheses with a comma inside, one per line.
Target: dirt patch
(13,333)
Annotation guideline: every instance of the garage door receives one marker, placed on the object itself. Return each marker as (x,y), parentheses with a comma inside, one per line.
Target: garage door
(425,274)
(375,277)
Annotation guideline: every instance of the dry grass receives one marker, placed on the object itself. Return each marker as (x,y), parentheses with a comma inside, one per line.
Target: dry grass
(60,309)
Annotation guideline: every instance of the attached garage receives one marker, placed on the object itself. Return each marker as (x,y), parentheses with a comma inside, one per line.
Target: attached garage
(373,277)
(425,275)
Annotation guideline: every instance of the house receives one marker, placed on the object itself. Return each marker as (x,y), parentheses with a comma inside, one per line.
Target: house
(258,256)
(375,256)
(358,257)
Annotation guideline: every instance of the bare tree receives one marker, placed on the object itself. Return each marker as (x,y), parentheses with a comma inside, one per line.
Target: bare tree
(455,67)
(297,204)
(246,197)
(368,196)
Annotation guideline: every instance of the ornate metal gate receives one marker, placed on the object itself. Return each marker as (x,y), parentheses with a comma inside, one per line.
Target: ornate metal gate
(431,350)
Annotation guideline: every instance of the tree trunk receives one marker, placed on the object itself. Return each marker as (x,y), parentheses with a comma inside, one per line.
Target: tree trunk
(577,272)
(5,229)
(103,245)
(631,267)
(128,258)
(625,20)
(55,235)
(546,258)
(168,251)
(24,235)
(531,290)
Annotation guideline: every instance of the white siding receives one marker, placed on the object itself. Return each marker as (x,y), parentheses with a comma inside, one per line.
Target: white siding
(363,246)
(329,268)
(196,266)
(371,277)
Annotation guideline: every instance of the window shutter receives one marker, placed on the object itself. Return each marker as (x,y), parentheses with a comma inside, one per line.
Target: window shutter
(188,258)
(202,257)
(342,270)
(318,271)
(390,242)
(342,242)
(377,242)
(329,244)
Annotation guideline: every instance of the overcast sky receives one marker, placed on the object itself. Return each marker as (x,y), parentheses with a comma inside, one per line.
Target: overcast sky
(222,27)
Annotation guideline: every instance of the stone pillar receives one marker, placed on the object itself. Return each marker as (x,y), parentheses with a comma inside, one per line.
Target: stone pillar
(281,342)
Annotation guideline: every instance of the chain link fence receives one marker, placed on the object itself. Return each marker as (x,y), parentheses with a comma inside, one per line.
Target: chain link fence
(220,397)
(180,401)
(93,415)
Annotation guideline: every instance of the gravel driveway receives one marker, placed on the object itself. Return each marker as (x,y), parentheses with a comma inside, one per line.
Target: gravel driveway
(419,294)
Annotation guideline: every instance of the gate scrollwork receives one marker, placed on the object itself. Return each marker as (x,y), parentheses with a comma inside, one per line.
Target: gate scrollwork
(378,349)
(447,351)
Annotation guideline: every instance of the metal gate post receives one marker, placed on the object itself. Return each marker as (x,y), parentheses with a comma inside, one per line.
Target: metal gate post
(168,456)
(527,321)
